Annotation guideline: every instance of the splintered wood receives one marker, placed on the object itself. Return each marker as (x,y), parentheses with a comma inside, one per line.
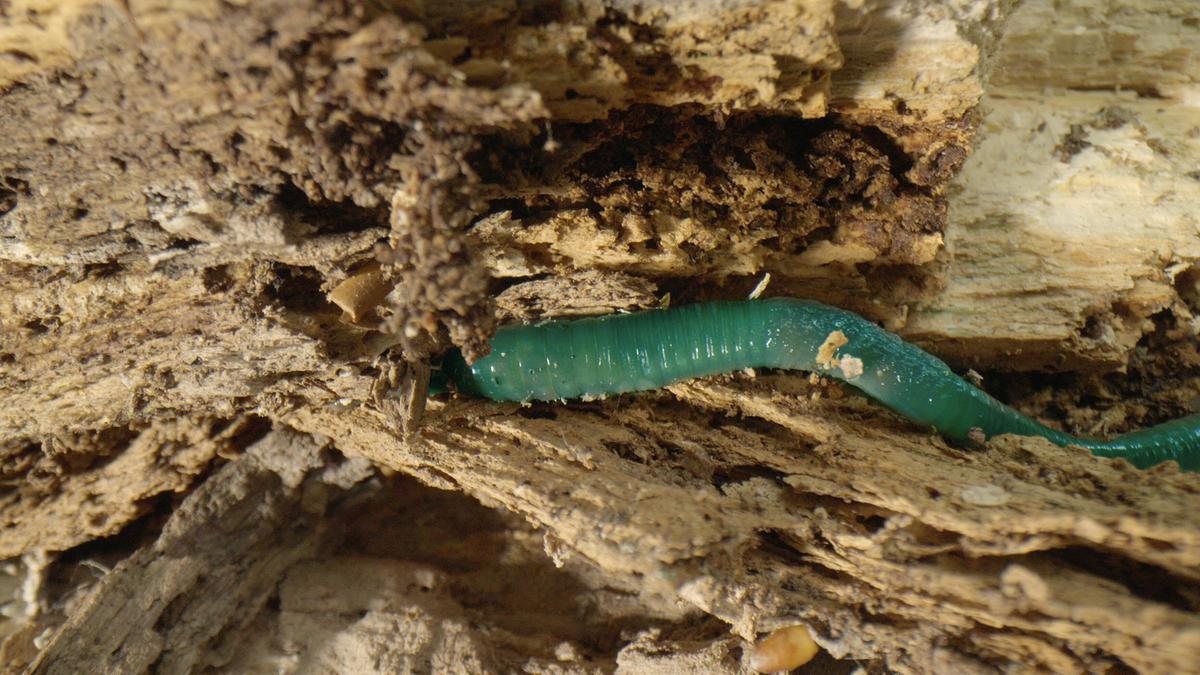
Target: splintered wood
(234,235)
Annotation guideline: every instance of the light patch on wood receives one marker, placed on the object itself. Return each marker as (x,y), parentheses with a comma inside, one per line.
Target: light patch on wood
(984,495)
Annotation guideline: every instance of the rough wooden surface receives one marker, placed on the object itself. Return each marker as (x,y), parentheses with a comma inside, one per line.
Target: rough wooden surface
(216,563)
(78,489)
(1076,214)
(293,555)
(185,181)
(935,541)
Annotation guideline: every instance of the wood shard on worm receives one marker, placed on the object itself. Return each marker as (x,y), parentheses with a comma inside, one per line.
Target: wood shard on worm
(826,353)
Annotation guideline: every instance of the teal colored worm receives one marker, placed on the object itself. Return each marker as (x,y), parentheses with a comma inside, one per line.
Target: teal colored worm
(598,356)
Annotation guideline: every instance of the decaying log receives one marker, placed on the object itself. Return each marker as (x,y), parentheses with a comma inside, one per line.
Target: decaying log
(232,234)
(216,563)
(1073,234)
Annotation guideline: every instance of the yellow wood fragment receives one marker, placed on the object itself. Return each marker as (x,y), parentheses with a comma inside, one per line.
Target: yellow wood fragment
(360,293)
(783,650)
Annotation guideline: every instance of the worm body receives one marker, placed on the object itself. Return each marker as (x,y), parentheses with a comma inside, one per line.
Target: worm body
(606,355)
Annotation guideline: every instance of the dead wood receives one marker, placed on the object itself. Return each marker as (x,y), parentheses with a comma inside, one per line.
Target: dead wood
(183,186)
(216,563)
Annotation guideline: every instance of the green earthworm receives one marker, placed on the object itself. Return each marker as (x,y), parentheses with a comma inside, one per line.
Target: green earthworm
(605,355)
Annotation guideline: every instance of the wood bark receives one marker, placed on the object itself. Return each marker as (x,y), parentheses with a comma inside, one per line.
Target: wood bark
(197,403)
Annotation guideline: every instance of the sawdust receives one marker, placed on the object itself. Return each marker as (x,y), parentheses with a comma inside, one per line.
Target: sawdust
(827,353)
(850,365)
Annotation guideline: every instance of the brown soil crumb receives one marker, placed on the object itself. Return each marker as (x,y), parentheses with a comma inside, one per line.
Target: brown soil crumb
(1074,142)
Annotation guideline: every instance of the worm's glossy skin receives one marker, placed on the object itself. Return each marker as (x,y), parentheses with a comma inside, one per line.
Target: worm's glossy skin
(606,355)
